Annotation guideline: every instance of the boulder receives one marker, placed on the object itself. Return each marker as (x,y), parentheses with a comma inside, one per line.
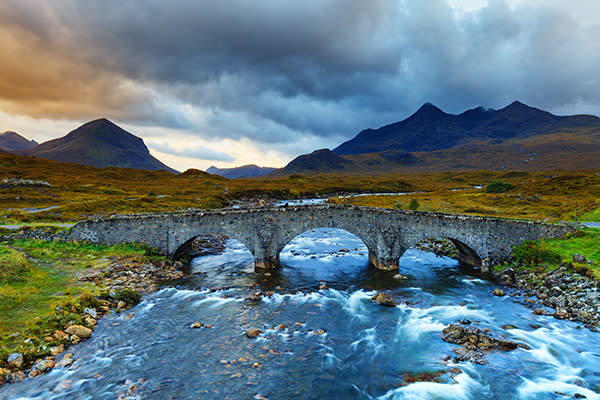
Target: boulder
(498,292)
(79,330)
(384,299)
(475,342)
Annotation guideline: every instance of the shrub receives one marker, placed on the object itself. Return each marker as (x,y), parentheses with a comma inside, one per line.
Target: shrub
(532,253)
(88,301)
(129,296)
(498,186)
(14,266)
(414,204)
(397,205)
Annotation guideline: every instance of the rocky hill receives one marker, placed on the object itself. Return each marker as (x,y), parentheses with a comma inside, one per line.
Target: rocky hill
(99,143)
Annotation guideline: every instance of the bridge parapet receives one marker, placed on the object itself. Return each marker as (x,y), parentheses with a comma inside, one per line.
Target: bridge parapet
(265,231)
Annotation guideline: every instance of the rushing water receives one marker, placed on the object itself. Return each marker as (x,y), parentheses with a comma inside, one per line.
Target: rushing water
(328,343)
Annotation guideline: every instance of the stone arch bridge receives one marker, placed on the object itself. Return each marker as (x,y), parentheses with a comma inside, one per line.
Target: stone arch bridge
(265,231)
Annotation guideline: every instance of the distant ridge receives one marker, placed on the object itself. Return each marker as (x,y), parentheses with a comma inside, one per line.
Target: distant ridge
(516,137)
(431,129)
(99,143)
(12,141)
(245,171)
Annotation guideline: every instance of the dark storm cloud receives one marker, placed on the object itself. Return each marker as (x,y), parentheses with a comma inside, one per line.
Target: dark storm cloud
(278,71)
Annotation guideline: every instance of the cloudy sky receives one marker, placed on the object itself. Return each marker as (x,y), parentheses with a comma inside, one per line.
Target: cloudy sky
(233,82)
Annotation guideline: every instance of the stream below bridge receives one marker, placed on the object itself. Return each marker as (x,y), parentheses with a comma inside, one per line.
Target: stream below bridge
(323,343)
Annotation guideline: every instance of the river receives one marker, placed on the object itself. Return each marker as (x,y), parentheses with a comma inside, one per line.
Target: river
(322,343)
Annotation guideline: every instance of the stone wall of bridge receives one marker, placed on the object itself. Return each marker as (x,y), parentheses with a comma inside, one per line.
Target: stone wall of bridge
(265,232)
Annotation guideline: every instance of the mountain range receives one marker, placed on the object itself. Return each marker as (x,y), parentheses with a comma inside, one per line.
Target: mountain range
(245,171)
(515,137)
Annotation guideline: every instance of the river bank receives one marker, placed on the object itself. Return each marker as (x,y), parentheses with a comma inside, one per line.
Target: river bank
(572,296)
(61,292)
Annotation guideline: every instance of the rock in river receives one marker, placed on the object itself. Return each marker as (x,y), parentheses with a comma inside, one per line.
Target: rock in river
(252,333)
(475,342)
(384,299)
(40,367)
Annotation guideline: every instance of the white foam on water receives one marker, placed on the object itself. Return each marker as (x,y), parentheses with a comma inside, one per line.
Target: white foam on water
(531,389)
(464,388)
(472,281)
(216,301)
(452,313)
(411,325)
(354,304)
(368,341)
(296,299)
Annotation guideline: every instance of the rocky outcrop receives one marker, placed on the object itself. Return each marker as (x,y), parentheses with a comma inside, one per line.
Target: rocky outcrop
(570,294)
(475,342)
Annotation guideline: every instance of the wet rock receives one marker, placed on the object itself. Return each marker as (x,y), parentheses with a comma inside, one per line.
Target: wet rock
(66,361)
(196,325)
(540,311)
(121,304)
(255,297)
(498,292)
(252,333)
(319,332)
(343,251)
(579,259)
(15,360)
(79,330)
(41,367)
(4,375)
(475,342)
(91,312)
(60,335)
(561,314)
(90,321)
(16,376)
(55,350)
(400,277)
(323,286)
(384,299)
(74,339)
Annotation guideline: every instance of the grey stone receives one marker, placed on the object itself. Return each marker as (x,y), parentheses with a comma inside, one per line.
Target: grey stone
(265,231)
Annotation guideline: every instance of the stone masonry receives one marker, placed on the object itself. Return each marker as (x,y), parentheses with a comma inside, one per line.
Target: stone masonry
(265,231)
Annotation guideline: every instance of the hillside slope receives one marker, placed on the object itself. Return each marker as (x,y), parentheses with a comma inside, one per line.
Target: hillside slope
(12,141)
(99,143)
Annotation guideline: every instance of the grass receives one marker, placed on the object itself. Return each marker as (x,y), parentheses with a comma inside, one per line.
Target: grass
(587,244)
(48,275)
(82,191)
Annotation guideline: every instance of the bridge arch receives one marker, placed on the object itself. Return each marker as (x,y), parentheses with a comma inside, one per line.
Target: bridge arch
(386,233)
